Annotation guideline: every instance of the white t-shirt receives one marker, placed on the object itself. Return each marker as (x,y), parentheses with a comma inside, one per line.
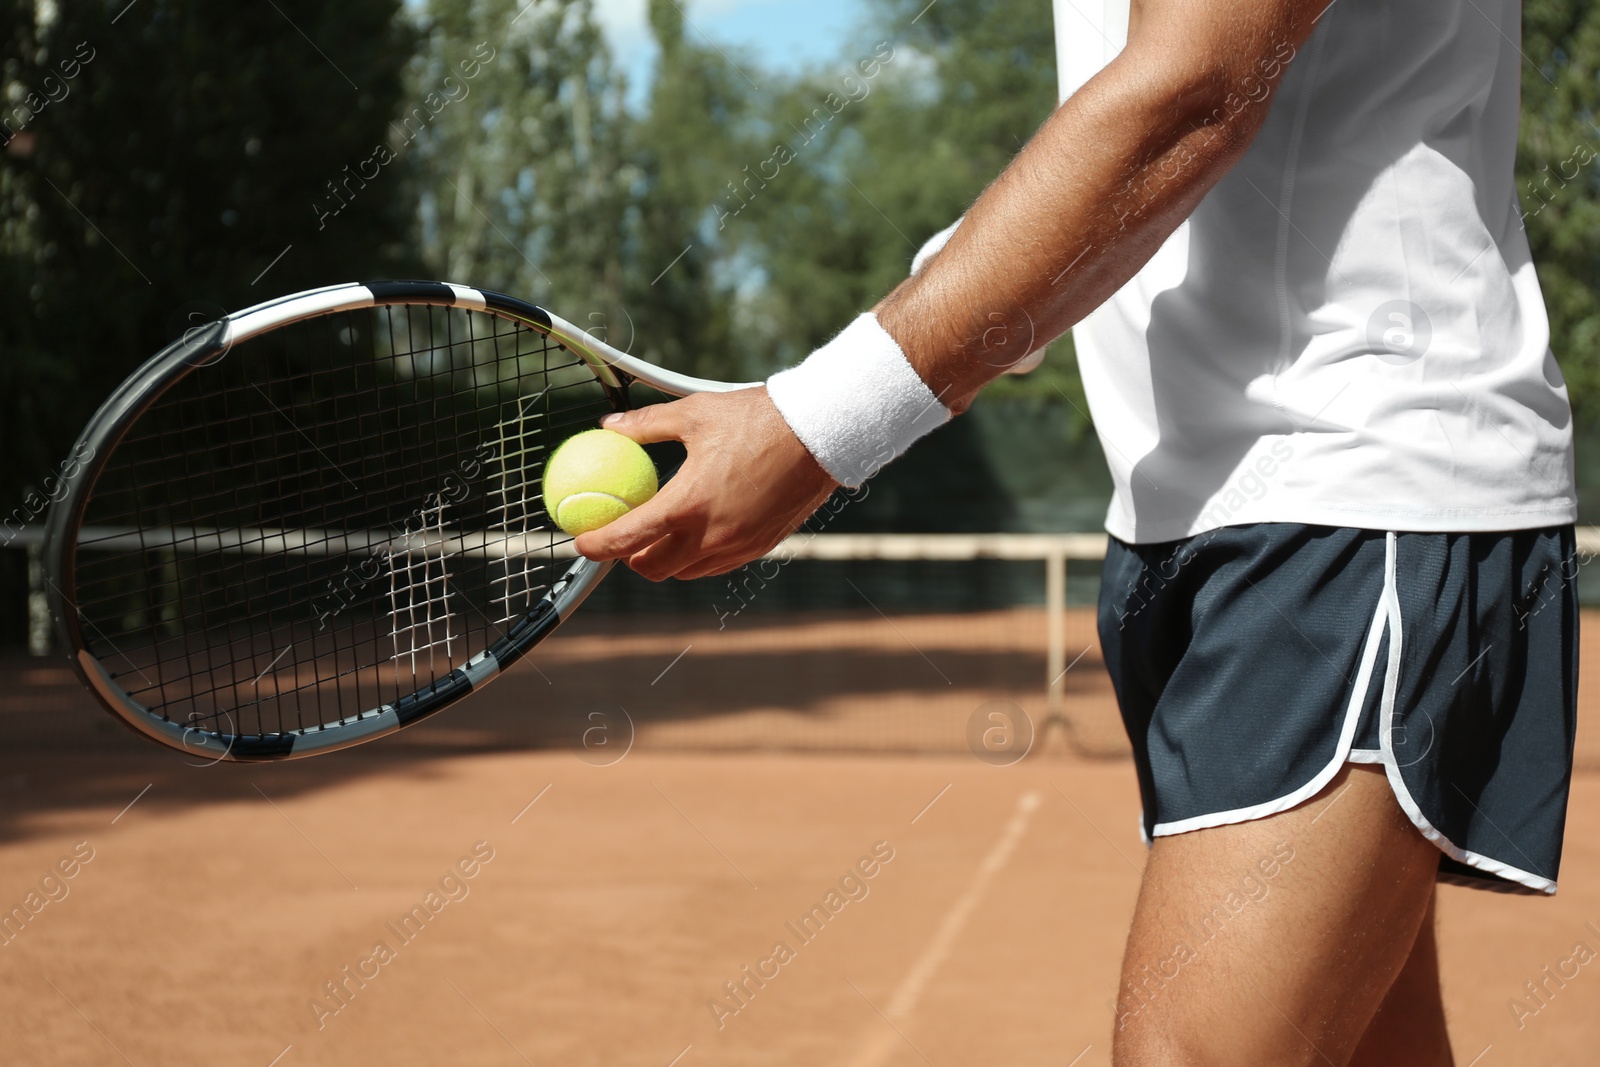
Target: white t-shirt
(1348,330)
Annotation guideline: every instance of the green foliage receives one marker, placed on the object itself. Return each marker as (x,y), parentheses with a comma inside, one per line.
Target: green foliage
(933,109)
(739,217)
(1558,179)
(203,156)
(173,168)
(544,185)
(930,109)
(155,163)
(522,174)
(687,145)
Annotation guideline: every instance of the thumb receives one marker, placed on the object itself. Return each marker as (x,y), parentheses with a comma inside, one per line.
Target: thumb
(647,425)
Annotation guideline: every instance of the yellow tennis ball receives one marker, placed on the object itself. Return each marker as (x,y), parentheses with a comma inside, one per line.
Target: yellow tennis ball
(594,478)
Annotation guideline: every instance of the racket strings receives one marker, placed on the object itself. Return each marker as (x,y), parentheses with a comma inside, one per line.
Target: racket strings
(336,514)
(519,486)
(421,584)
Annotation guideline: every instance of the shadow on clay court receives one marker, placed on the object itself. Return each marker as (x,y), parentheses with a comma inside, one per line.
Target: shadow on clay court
(830,684)
(839,684)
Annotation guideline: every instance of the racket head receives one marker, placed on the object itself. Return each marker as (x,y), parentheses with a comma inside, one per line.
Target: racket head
(319,520)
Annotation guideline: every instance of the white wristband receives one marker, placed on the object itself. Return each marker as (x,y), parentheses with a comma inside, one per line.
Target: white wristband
(932,246)
(856,403)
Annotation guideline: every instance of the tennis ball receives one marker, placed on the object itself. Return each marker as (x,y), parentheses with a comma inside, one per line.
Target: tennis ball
(594,478)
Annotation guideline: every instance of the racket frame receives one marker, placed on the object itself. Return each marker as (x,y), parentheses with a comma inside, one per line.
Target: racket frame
(613,369)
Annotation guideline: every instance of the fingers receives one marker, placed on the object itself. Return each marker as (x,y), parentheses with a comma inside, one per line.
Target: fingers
(682,552)
(647,425)
(710,568)
(670,543)
(686,559)
(747,483)
(651,521)
(702,555)
(665,558)
(635,531)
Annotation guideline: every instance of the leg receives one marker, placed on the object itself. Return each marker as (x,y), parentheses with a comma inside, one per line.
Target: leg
(1274,942)
(1409,1029)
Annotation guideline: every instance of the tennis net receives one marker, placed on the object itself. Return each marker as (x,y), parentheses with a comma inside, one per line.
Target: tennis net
(872,643)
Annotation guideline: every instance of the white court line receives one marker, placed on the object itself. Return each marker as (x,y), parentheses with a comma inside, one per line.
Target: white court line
(915,983)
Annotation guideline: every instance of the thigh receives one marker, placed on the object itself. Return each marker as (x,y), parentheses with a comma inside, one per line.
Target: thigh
(1274,941)
(1409,1029)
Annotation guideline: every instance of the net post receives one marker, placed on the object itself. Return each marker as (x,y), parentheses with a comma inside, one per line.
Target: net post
(38,603)
(1055,599)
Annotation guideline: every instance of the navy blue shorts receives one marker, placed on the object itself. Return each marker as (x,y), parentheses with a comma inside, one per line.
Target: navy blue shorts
(1252,662)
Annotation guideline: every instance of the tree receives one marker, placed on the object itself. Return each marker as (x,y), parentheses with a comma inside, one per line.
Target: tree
(889,147)
(163,162)
(547,186)
(689,146)
(1558,179)
(523,187)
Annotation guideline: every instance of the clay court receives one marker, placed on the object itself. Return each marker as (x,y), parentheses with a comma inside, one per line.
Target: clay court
(590,898)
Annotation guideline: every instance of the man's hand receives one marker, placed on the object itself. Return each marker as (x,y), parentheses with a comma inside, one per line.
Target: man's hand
(748,483)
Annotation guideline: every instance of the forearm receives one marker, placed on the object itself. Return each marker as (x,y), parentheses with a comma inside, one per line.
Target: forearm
(1086,203)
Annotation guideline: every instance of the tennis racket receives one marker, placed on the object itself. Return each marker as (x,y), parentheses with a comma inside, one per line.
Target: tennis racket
(319,520)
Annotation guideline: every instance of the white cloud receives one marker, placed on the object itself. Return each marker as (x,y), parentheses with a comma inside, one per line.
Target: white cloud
(777,34)
(719,7)
(620,18)
(628,29)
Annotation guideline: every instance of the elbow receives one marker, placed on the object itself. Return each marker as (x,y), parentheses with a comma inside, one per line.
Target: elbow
(1224,93)
(1232,102)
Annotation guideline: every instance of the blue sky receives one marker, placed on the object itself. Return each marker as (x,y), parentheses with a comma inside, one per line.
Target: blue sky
(783,34)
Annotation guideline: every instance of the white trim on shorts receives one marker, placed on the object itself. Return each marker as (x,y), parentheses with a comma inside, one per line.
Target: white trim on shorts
(1352,718)
(1387,614)
(1391,766)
